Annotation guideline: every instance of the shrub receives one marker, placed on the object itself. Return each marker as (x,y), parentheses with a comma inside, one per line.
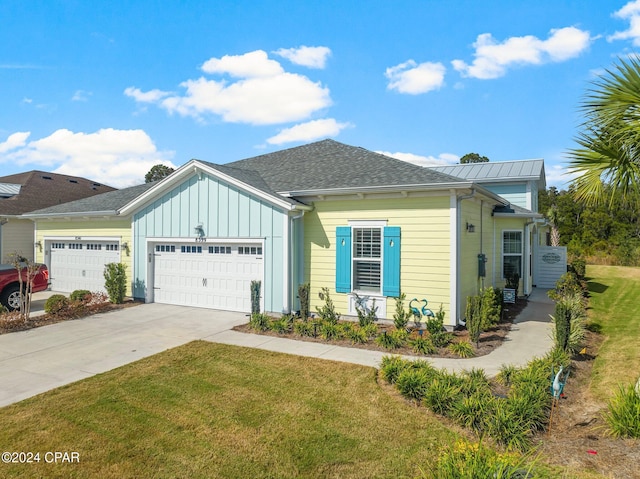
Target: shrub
(391,367)
(3,309)
(472,411)
(259,322)
(365,316)
(280,326)
(422,345)
(413,383)
(507,428)
(330,330)
(402,316)
(435,324)
(303,296)
(562,323)
(327,311)
(569,324)
(464,349)
(475,380)
(356,335)
(303,328)
(579,267)
(491,307)
(56,304)
(474,320)
(80,295)
(623,412)
(115,281)
(255,287)
(370,330)
(443,393)
(464,460)
(441,339)
(391,340)
(568,285)
(506,374)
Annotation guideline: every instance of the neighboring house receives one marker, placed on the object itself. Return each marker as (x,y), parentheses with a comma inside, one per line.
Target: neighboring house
(24,192)
(519,182)
(357,222)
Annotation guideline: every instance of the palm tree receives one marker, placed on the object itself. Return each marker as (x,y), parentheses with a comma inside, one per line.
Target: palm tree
(609,143)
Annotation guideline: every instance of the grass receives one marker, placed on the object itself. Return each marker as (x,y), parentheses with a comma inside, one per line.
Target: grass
(207,410)
(615,295)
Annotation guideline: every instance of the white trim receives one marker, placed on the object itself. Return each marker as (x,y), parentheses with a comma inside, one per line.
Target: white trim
(216,239)
(286,267)
(367,223)
(83,238)
(502,253)
(453,256)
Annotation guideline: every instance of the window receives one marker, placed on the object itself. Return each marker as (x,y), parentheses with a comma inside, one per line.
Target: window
(165,248)
(191,249)
(254,250)
(111,247)
(511,253)
(367,259)
(220,249)
(57,245)
(75,245)
(94,246)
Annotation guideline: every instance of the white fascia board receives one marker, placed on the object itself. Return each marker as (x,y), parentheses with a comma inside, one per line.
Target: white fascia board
(518,215)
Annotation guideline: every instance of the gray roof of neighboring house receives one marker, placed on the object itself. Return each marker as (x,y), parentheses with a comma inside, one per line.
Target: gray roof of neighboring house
(497,171)
(105,202)
(328,164)
(7,190)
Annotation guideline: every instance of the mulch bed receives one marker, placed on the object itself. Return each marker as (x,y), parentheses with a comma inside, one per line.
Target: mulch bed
(489,340)
(46,319)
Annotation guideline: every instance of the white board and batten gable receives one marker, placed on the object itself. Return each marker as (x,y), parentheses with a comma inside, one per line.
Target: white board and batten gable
(202,236)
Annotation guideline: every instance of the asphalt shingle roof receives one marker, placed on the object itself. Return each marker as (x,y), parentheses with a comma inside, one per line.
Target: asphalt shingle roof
(39,189)
(110,201)
(328,164)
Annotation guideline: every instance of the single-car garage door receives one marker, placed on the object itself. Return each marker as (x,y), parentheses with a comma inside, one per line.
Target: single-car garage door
(80,264)
(206,275)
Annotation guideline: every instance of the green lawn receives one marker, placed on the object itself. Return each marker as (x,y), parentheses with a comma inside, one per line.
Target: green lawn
(615,307)
(208,410)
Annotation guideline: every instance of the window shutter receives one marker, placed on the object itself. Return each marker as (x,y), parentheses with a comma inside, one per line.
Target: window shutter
(343,259)
(391,262)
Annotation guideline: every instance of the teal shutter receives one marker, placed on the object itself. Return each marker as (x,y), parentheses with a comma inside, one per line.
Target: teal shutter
(391,262)
(343,259)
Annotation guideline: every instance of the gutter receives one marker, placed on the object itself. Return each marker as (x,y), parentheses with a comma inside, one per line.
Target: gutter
(456,283)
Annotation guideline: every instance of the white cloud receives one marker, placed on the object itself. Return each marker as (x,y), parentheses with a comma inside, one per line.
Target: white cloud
(113,157)
(309,131)
(250,65)
(412,78)
(631,12)
(559,176)
(492,59)
(444,159)
(264,94)
(312,57)
(81,95)
(150,96)
(16,140)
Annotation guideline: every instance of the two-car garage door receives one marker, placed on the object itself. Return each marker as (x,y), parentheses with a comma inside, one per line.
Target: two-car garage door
(206,275)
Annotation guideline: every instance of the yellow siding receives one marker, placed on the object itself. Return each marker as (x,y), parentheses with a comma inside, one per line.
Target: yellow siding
(17,237)
(425,246)
(120,228)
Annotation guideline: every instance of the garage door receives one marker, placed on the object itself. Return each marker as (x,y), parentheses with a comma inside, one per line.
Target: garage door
(210,275)
(80,264)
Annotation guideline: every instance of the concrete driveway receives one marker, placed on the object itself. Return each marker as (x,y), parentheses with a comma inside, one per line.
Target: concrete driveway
(40,359)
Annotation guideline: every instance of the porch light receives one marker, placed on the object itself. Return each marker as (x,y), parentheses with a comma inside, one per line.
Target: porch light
(471,228)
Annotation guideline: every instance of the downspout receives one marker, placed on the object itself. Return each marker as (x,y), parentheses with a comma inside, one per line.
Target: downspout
(457,298)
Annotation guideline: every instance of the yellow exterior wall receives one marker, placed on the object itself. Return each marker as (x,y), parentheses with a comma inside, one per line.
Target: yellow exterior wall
(425,246)
(17,237)
(477,213)
(86,228)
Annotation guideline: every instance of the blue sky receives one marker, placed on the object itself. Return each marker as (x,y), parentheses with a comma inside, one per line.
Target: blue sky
(105,90)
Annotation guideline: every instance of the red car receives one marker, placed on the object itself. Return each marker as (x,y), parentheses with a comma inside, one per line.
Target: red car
(10,284)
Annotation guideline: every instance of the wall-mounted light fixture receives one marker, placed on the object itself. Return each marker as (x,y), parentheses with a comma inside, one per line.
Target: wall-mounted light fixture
(125,247)
(471,228)
(199,232)
(39,245)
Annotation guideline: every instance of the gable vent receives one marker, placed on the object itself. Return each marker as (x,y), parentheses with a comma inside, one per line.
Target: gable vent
(73,181)
(46,177)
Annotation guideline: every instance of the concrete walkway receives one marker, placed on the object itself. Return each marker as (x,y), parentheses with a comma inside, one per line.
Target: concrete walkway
(35,361)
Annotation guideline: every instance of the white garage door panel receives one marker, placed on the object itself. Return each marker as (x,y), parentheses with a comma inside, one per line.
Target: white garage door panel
(206,279)
(80,264)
